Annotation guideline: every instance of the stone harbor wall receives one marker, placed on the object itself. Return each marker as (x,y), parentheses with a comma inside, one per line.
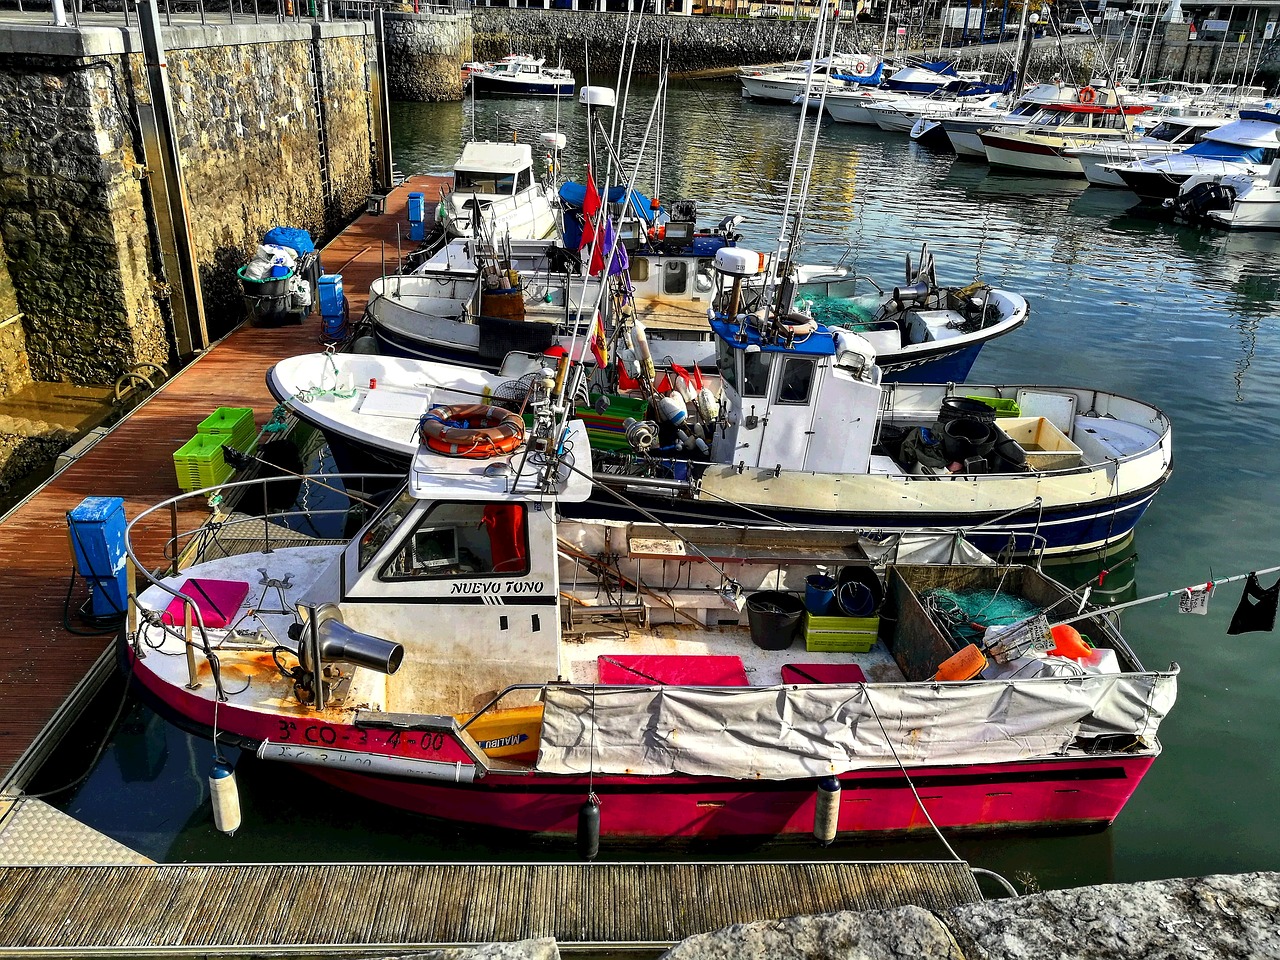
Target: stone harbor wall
(72,219)
(15,373)
(697,43)
(718,45)
(255,106)
(425,55)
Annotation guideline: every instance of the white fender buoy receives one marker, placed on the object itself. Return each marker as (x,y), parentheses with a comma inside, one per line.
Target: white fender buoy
(225,798)
(672,410)
(826,810)
(708,405)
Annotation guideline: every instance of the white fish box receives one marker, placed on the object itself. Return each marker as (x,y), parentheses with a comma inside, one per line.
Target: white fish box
(1047,447)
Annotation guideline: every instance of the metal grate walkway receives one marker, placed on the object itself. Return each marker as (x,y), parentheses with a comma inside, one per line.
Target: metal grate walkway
(320,908)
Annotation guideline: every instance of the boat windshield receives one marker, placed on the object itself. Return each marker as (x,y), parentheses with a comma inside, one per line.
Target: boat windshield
(484,181)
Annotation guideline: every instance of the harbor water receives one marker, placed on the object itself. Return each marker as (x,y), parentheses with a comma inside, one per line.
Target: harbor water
(1180,317)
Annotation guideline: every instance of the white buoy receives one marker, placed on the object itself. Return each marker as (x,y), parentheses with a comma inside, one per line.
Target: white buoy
(672,410)
(708,405)
(826,810)
(225,798)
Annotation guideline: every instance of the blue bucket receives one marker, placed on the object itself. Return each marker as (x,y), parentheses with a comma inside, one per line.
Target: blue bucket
(855,599)
(819,594)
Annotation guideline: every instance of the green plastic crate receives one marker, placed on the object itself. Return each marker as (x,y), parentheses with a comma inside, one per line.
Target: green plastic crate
(606,431)
(1002,407)
(235,425)
(199,462)
(840,634)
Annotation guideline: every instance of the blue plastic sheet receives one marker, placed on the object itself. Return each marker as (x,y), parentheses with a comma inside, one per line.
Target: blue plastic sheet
(294,237)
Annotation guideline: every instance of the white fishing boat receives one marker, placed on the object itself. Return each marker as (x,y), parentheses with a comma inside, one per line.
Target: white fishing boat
(495,188)
(1238,201)
(1171,134)
(475,313)
(784,83)
(798,428)
(1247,145)
(522,76)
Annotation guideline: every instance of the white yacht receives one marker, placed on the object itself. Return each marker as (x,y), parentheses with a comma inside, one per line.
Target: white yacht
(787,82)
(521,76)
(1170,135)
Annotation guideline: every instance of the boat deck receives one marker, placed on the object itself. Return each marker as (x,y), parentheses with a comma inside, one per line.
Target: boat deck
(41,661)
(331,909)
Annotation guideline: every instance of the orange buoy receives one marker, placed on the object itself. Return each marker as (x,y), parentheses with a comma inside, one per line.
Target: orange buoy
(1088,95)
(474,431)
(1068,643)
(965,664)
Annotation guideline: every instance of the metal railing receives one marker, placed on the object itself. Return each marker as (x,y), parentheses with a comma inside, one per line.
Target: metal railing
(237,11)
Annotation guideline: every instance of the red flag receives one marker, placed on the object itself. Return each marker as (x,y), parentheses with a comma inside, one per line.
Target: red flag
(625,380)
(590,208)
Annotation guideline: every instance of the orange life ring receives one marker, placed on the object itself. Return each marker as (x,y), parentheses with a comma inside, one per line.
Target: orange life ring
(799,324)
(475,431)
(1087,95)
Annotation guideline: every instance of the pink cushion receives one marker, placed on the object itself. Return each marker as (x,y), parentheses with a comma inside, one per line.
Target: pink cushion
(218,601)
(823,673)
(693,671)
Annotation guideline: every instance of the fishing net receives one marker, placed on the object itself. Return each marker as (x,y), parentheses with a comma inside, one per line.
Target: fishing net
(852,313)
(966,614)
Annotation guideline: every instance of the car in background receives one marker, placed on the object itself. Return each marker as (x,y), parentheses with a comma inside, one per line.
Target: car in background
(1082,25)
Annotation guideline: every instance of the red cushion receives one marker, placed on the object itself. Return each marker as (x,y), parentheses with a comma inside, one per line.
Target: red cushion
(218,601)
(823,673)
(692,671)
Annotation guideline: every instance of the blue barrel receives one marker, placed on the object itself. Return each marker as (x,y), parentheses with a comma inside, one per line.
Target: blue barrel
(819,594)
(417,207)
(331,299)
(97,529)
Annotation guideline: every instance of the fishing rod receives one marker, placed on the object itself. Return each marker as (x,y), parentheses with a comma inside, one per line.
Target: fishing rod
(1204,585)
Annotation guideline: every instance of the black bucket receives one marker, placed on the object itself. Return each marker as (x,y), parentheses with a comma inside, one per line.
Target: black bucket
(966,408)
(1007,455)
(965,438)
(856,573)
(774,617)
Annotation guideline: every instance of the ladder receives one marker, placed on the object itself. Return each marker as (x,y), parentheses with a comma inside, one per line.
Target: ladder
(322,139)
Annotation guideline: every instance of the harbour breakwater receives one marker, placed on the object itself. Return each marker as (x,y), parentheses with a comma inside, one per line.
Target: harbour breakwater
(1223,916)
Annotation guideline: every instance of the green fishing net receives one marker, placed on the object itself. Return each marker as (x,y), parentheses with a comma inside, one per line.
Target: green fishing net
(966,614)
(852,313)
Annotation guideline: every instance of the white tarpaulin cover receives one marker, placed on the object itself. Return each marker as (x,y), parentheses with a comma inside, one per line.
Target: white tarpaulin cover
(783,733)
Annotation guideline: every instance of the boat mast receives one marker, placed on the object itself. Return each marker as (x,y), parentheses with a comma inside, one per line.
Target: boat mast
(819,36)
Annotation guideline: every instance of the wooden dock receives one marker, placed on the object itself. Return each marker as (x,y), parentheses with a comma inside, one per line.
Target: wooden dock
(41,662)
(332,909)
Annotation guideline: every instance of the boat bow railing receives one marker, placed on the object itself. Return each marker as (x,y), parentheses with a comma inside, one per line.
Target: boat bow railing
(170,547)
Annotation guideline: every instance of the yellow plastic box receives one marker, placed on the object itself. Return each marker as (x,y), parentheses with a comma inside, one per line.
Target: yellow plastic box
(840,634)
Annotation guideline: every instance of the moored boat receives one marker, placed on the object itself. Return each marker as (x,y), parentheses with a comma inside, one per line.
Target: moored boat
(471,656)
(798,428)
(496,187)
(1247,145)
(1232,201)
(522,76)
(1040,147)
(1171,134)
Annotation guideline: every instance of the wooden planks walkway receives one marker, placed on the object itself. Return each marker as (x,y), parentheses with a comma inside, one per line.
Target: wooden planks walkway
(330,908)
(40,661)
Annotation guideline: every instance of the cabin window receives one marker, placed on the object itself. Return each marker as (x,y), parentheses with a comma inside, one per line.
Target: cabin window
(524,179)
(381,531)
(675,276)
(755,373)
(640,269)
(462,540)
(796,382)
(727,361)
